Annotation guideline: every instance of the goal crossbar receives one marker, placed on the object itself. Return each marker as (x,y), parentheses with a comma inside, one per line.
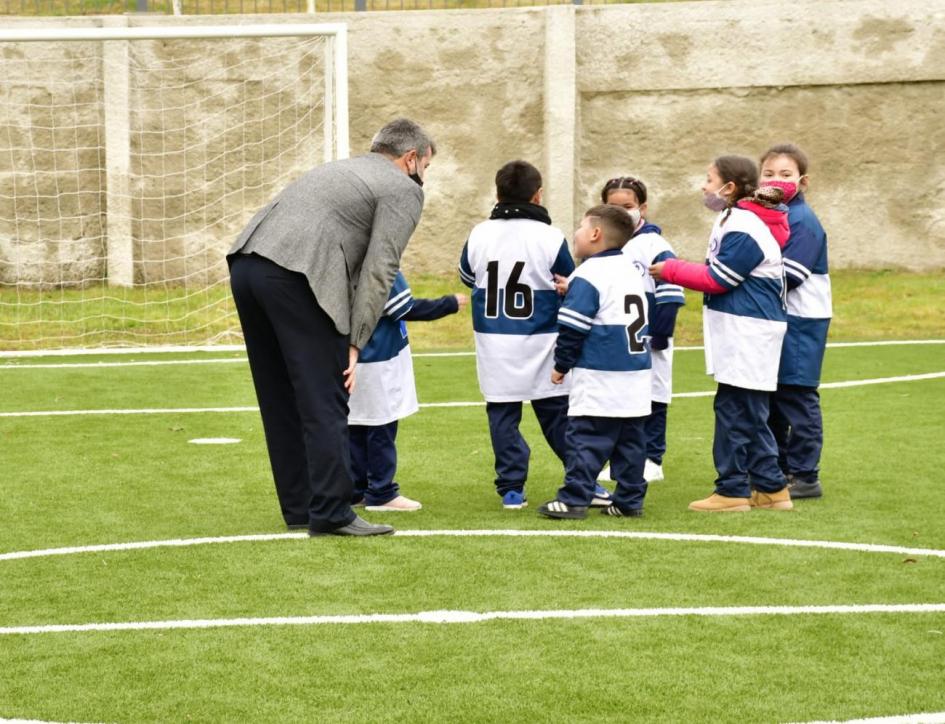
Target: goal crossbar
(337,31)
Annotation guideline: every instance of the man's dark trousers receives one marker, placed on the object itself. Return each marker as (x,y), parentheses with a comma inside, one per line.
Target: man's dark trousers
(297,358)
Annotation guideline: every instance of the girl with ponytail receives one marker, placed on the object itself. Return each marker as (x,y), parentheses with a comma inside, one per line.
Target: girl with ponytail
(744,321)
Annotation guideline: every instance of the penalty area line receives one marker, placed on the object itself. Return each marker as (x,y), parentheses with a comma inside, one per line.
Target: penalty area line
(459,616)
(487,533)
(430,405)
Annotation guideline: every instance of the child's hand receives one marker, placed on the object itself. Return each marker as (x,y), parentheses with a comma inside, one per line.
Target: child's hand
(557,377)
(656,271)
(462,300)
(561,284)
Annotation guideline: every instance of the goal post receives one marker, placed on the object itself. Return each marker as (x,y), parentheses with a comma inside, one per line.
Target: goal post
(131,156)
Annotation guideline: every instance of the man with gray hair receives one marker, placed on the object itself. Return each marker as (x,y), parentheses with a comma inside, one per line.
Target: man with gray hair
(310,275)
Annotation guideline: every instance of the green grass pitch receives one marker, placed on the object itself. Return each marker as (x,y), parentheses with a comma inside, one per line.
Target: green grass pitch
(98,479)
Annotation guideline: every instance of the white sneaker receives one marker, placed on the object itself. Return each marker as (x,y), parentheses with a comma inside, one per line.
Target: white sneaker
(605,474)
(652,472)
(398,504)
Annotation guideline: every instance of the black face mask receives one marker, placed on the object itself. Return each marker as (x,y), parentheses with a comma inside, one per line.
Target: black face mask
(415,176)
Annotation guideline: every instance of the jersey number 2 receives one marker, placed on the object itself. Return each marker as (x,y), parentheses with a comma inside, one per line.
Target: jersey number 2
(519,300)
(632,304)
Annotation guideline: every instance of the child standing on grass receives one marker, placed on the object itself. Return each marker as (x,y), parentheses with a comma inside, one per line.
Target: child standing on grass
(796,419)
(509,262)
(744,321)
(385,393)
(602,342)
(664,303)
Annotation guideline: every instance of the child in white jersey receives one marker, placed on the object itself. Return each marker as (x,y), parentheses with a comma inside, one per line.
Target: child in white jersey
(510,261)
(385,393)
(744,321)
(602,342)
(664,301)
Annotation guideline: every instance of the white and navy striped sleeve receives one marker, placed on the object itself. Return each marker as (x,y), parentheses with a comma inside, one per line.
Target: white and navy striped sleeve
(738,255)
(580,306)
(667,293)
(400,300)
(466,274)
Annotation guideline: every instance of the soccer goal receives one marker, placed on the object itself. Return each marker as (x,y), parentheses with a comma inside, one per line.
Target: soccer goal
(130,157)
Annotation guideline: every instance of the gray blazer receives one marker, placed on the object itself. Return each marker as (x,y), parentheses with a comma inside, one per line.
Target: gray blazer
(344,226)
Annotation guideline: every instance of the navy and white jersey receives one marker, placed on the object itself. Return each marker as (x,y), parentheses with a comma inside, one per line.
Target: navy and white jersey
(744,327)
(809,300)
(649,244)
(385,389)
(606,303)
(510,265)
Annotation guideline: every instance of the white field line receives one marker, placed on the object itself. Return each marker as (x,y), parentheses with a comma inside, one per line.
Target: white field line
(253,408)
(930,718)
(454,616)
(486,533)
(241,348)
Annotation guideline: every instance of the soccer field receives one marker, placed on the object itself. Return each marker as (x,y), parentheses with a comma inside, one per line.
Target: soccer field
(221,615)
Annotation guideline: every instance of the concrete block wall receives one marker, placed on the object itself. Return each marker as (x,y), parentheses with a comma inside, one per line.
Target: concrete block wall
(656,91)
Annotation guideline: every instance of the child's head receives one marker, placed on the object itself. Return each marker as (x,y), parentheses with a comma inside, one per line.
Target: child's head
(603,227)
(518,182)
(729,179)
(625,191)
(784,165)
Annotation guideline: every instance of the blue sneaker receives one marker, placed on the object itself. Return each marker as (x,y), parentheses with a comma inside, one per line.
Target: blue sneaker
(602,497)
(514,500)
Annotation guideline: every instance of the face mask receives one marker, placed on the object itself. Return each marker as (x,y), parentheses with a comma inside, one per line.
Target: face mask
(788,187)
(415,176)
(634,216)
(714,202)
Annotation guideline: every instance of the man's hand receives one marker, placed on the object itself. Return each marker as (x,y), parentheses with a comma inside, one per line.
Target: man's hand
(561,284)
(656,271)
(557,377)
(353,353)
(462,300)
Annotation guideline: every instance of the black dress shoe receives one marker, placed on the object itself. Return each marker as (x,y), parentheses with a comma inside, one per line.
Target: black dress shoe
(357,527)
(296,526)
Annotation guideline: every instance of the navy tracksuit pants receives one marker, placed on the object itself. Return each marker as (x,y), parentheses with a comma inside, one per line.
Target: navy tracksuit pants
(510,449)
(656,432)
(798,428)
(591,442)
(374,462)
(744,450)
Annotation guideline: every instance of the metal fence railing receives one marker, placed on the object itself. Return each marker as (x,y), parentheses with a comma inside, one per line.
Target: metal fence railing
(218,7)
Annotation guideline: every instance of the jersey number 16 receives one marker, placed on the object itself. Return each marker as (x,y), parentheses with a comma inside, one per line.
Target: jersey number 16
(519,298)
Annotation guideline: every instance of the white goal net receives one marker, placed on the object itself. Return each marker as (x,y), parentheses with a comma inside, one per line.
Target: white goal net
(129,160)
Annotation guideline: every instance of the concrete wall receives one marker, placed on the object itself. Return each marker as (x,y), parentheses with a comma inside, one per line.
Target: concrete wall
(653,90)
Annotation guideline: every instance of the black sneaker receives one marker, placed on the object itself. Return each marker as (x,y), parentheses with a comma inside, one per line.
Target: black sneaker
(557,509)
(804,488)
(613,510)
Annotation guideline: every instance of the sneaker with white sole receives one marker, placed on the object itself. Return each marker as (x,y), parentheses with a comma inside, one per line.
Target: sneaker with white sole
(613,510)
(602,497)
(400,504)
(605,474)
(514,500)
(652,472)
(557,509)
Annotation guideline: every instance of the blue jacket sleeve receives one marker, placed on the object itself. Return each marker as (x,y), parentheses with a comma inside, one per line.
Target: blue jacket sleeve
(564,264)
(662,325)
(568,348)
(466,275)
(426,310)
(801,253)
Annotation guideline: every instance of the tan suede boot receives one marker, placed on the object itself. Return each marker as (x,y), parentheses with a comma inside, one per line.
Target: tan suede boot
(780,500)
(716,503)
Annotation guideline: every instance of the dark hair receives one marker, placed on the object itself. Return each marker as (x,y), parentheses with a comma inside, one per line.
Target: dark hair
(740,171)
(400,136)
(768,196)
(615,222)
(625,182)
(517,182)
(786,149)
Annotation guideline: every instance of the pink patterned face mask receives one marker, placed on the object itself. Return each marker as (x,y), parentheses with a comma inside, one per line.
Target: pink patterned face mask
(788,187)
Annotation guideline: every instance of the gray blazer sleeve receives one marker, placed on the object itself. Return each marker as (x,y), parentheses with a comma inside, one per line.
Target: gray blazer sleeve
(395,218)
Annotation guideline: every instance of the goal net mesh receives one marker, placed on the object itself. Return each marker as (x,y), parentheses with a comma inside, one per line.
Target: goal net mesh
(128,167)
